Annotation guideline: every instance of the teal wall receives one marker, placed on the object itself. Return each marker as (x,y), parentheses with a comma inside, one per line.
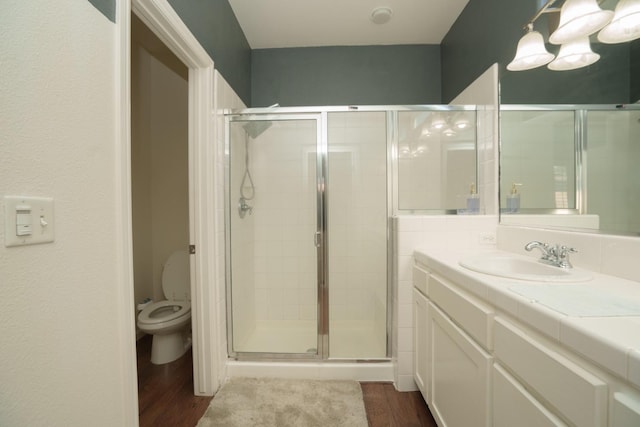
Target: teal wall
(360,75)
(635,71)
(487,31)
(215,26)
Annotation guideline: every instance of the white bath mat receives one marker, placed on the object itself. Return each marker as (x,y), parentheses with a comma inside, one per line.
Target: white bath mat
(268,402)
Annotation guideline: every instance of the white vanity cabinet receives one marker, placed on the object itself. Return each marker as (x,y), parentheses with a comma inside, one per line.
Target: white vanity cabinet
(451,364)
(477,365)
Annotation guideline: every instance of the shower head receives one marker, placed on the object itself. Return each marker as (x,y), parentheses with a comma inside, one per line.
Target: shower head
(255,128)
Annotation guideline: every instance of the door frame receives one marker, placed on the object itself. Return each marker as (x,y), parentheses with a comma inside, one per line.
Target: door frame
(161,18)
(322,342)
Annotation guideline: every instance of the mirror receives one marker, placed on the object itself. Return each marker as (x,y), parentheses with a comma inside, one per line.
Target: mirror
(571,167)
(436,160)
(572,139)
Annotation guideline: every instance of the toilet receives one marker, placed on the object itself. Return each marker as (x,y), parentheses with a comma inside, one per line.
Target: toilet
(170,321)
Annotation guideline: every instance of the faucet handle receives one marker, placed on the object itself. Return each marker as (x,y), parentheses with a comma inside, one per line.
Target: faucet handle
(563,256)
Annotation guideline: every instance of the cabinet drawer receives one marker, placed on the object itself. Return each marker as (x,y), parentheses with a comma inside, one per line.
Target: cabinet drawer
(626,410)
(474,316)
(573,392)
(514,406)
(421,279)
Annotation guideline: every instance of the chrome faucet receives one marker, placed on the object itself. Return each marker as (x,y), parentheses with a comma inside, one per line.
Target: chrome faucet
(555,255)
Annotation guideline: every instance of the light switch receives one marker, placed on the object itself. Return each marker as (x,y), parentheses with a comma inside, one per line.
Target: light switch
(23,220)
(28,220)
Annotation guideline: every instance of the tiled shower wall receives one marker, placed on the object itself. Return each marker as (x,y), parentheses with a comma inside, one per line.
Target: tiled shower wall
(284,172)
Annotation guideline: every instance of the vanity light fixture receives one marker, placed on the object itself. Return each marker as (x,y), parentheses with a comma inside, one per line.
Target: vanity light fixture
(531,52)
(574,54)
(625,25)
(448,132)
(578,20)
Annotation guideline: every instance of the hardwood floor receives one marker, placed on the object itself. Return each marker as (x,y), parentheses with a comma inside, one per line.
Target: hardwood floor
(165,392)
(390,408)
(165,397)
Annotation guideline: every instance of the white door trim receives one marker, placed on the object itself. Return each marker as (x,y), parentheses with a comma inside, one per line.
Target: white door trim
(160,17)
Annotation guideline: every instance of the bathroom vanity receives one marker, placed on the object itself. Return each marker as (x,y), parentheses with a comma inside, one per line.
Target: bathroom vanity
(497,351)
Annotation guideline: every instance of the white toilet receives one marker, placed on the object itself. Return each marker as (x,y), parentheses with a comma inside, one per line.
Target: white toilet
(170,321)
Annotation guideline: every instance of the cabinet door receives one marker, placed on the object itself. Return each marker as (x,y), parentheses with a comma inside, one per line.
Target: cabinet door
(514,406)
(421,363)
(460,375)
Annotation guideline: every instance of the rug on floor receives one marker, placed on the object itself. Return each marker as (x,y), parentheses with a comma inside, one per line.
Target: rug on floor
(269,402)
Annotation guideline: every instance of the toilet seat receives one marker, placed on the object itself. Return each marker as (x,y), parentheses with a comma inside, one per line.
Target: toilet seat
(164,311)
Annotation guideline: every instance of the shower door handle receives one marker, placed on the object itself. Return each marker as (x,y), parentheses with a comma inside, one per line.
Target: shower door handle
(317,239)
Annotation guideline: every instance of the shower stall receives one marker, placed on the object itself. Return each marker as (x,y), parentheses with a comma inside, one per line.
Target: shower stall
(309,198)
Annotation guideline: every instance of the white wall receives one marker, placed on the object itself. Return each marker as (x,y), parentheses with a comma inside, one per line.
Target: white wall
(62,361)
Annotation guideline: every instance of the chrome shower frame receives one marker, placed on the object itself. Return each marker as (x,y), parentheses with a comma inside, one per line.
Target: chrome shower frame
(321,114)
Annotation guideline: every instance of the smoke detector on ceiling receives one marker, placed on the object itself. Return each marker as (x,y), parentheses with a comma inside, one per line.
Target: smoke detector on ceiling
(381,15)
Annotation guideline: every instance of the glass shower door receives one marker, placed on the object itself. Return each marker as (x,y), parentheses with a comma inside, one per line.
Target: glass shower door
(274,215)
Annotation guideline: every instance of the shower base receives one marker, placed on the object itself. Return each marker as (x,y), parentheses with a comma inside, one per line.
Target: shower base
(348,339)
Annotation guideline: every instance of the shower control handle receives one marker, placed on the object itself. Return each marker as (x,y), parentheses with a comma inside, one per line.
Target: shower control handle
(317,238)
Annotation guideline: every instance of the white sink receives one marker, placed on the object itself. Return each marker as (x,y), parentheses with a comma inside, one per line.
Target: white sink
(521,268)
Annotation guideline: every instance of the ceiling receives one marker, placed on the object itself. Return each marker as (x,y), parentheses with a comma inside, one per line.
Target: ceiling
(305,23)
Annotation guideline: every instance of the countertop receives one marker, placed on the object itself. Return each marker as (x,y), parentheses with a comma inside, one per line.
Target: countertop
(611,342)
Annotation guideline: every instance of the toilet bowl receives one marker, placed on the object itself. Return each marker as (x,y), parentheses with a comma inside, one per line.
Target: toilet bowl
(169,321)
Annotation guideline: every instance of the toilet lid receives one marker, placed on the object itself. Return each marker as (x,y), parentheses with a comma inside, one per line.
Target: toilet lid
(175,277)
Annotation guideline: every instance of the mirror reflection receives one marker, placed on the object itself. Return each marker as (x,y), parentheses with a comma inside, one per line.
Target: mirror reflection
(437,161)
(571,167)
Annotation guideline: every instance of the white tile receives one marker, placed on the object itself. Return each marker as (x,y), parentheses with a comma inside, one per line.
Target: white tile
(620,257)
(543,319)
(405,267)
(596,339)
(405,315)
(405,383)
(405,363)
(405,339)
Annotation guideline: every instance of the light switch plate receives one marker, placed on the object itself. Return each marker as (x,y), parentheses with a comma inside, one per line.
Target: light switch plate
(42,224)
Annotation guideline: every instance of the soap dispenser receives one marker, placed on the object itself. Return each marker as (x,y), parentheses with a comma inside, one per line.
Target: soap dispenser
(513,199)
(473,200)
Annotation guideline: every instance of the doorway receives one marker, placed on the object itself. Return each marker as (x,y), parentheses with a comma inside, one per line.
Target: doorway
(159,178)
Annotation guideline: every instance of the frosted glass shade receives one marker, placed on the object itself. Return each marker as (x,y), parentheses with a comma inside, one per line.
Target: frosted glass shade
(579,18)
(625,25)
(530,53)
(575,54)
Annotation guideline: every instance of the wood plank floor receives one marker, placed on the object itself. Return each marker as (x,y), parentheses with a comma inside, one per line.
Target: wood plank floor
(165,392)
(165,397)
